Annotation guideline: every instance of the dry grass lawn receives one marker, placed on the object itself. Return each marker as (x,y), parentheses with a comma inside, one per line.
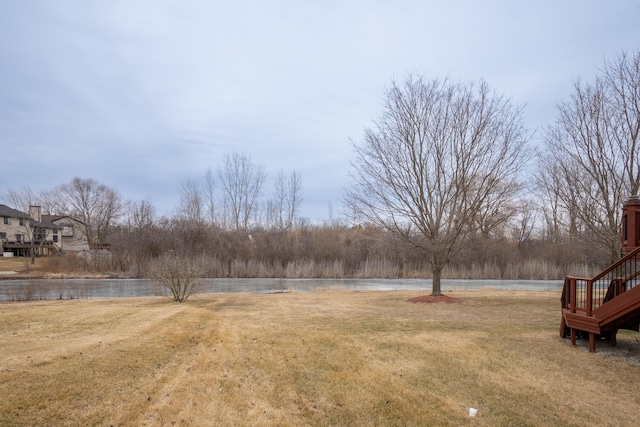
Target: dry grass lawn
(309,359)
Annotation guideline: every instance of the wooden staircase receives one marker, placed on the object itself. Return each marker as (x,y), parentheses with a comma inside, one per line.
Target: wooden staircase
(601,306)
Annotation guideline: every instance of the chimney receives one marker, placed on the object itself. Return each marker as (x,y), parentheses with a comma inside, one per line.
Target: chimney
(35,213)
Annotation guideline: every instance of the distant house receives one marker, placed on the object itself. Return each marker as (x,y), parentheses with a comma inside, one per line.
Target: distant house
(26,234)
(73,238)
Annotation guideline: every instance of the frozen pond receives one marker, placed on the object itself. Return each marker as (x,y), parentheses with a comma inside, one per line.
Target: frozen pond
(12,290)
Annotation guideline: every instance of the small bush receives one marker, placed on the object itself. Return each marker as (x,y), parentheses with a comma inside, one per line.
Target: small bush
(179,277)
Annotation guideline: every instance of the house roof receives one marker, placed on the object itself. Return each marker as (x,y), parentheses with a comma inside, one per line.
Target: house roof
(6,211)
(51,218)
(12,213)
(44,224)
(56,218)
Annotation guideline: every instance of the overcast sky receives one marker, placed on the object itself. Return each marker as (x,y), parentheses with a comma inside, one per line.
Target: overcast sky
(140,95)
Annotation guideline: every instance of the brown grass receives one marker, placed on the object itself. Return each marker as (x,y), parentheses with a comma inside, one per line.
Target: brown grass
(47,268)
(320,358)
(18,264)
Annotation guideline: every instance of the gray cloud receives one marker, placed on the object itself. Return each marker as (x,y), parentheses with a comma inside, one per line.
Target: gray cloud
(140,95)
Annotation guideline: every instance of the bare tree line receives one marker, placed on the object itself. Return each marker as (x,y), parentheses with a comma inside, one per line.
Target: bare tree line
(444,183)
(232,197)
(591,162)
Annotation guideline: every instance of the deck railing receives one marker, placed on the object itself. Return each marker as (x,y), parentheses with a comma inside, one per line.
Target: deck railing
(581,294)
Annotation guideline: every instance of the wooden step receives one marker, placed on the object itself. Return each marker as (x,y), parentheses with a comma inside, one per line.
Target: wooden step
(579,320)
(626,305)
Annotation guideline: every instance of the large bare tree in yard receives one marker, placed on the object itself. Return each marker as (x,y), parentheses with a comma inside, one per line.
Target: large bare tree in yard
(593,150)
(430,165)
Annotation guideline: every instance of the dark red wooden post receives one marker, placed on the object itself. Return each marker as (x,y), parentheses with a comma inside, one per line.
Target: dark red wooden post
(630,225)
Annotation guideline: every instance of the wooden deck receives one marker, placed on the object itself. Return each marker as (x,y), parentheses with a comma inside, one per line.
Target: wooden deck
(23,249)
(598,307)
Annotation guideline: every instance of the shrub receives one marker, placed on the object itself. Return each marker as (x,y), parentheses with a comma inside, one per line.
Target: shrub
(180,277)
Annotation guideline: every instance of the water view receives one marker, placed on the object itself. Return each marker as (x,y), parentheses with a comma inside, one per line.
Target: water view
(40,289)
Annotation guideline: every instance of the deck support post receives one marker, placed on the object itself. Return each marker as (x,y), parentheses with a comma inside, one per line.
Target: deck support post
(573,336)
(592,342)
(614,332)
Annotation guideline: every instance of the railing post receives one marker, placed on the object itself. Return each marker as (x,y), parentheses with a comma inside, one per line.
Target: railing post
(589,297)
(572,296)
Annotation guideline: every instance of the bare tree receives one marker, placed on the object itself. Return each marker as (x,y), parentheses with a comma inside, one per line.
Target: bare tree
(294,198)
(548,183)
(37,233)
(209,196)
(287,199)
(242,183)
(143,214)
(277,205)
(593,151)
(439,153)
(622,77)
(23,198)
(524,222)
(494,212)
(190,201)
(95,206)
(179,276)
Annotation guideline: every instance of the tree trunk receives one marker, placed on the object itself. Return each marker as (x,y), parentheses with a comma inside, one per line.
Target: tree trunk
(615,251)
(435,288)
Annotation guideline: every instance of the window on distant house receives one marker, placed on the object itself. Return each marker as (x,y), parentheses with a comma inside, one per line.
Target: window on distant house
(7,220)
(19,238)
(55,237)
(3,236)
(22,221)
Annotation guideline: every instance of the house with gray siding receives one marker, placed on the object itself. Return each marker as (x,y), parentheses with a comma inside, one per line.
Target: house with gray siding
(26,234)
(72,237)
